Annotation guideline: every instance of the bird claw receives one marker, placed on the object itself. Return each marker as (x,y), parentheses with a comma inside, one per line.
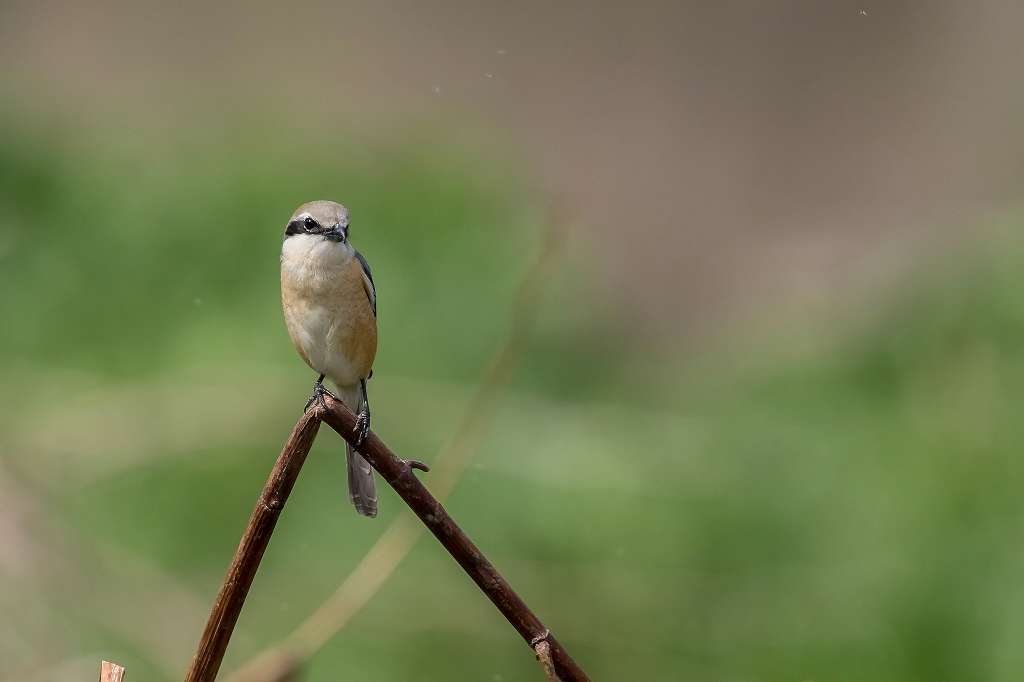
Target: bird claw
(319,391)
(362,427)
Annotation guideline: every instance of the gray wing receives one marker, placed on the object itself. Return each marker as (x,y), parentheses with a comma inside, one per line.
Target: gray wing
(369,278)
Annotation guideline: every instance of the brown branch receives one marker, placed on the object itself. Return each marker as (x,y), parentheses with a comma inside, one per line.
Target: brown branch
(250,550)
(398,539)
(400,476)
(111,672)
(543,650)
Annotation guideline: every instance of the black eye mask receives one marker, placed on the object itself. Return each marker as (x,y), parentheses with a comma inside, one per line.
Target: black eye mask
(338,233)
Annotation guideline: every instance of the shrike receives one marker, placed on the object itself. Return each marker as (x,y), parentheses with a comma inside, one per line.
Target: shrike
(330,308)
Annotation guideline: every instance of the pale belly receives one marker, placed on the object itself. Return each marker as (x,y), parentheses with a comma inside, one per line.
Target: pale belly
(319,335)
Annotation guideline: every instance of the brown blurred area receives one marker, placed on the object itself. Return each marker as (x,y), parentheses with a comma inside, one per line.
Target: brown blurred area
(716,153)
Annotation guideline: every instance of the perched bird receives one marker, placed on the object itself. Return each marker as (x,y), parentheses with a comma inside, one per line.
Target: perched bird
(330,309)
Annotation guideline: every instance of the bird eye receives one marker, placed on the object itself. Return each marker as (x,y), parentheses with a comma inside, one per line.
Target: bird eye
(309,223)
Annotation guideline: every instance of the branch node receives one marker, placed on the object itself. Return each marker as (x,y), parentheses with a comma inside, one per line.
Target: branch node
(540,638)
(416,464)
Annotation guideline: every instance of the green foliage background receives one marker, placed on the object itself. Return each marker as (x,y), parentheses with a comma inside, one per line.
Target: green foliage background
(800,506)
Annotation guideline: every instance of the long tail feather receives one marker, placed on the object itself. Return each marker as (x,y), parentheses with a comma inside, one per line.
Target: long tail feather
(362,489)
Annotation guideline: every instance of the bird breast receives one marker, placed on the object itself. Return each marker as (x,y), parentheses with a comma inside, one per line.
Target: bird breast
(326,310)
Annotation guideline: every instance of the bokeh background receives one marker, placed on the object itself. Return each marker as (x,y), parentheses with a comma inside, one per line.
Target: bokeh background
(764,428)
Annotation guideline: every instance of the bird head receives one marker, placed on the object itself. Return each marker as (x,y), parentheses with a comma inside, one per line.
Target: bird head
(326,219)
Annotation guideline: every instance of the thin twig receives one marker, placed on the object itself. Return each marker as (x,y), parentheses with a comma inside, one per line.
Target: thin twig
(233,591)
(399,475)
(543,650)
(394,544)
(111,672)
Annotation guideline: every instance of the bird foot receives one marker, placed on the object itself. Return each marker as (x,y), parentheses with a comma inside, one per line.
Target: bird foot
(319,391)
(362,427)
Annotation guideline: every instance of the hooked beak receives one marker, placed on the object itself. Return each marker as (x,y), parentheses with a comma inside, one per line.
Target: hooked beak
(335,234)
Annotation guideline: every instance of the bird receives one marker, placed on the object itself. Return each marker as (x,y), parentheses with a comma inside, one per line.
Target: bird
(330,309)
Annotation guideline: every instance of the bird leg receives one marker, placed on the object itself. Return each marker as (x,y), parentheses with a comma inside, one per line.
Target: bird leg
(362,427)
(319,391)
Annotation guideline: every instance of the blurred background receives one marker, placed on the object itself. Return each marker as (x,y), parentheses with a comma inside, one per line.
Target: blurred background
(763,428)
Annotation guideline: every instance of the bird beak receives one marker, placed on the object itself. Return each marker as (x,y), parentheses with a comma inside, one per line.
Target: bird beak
(335,234)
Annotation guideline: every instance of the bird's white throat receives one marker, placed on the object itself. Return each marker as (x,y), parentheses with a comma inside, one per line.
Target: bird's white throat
(305,255)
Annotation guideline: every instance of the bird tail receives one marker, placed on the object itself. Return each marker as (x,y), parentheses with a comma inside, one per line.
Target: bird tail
(362,490)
